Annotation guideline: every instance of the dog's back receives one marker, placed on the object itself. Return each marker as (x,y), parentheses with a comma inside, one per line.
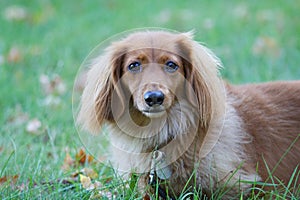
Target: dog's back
(271,115)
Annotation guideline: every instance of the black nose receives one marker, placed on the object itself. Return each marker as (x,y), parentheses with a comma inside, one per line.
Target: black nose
(154,98)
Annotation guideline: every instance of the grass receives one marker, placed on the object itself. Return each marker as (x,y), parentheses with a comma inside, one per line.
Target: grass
(256,41)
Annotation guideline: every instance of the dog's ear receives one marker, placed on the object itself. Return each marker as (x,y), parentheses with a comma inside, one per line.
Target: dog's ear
(103,90)
(204,89)
(198,94)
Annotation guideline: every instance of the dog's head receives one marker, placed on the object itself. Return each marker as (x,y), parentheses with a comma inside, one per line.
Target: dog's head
(150,72)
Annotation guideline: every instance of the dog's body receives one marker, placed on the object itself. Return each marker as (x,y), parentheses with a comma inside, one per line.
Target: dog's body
(160,91)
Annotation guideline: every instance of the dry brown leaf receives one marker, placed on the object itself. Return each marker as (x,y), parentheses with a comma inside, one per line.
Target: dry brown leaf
(34,126)
(68,162)
(14,55)
(15,13)
(59,85)
(18,117)
(51,100)
(146,197)
(82,157)
(89,172)
(3,180)
(12,180)
(53,85)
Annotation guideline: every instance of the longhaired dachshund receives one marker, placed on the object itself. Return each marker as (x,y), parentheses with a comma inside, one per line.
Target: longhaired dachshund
(171,117)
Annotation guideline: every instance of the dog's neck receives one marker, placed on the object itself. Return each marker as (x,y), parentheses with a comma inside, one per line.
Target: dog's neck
(135,137)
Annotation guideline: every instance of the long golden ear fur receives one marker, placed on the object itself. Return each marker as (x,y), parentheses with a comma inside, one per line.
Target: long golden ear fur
(202,73)
(101,84)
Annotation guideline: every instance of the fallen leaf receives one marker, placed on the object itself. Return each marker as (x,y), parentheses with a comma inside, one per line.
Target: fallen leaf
(50,155)
(146,197)
(97,184)
(14,55)
(22,187)
(19,117)
(34,126)
(82,157)
(86,182)
(89,172)
(3,180)
(51,100)
(53,85)
(266,46)
(65,182)
(45,83)
(106,194)
(15,13)
(68,162)
(12,180)
(59,85)
(241,11)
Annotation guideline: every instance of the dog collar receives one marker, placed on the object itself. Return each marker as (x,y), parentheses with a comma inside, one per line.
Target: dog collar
(159,170)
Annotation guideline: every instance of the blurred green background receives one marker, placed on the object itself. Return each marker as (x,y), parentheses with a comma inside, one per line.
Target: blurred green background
(43,43)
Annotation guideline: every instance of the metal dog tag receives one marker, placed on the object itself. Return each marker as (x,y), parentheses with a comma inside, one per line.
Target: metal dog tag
(163,173)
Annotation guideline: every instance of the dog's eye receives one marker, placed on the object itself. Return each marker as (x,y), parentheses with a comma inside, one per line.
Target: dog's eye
(135,67)
(171,66)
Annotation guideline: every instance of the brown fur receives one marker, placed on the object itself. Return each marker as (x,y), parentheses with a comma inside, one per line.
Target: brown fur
(271,113)
(205,124)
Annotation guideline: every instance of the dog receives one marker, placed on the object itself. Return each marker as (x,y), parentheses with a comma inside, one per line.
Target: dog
(160,96)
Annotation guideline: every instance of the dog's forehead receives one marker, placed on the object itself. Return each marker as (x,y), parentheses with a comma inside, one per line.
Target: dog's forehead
(152,40)
(150,53)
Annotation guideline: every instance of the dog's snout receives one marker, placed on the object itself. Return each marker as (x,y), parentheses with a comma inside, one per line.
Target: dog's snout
(154,98)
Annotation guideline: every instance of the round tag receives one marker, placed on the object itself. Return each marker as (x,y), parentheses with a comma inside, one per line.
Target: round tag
(164,173)
(160,161)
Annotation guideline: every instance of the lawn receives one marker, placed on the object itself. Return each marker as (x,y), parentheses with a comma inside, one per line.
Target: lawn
(43,43)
